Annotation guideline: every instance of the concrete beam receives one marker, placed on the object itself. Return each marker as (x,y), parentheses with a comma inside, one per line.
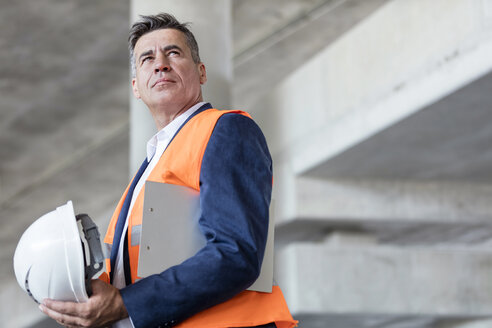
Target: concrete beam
(385,280)
(382,200)
(388,321)
(448,140)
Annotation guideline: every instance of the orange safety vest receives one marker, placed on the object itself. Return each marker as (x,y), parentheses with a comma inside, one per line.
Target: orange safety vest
(180,164)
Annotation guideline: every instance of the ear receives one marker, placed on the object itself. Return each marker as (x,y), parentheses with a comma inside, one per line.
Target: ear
(135,88)
(203,73)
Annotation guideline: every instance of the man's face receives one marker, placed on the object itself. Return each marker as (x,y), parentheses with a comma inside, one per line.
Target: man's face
(166,75)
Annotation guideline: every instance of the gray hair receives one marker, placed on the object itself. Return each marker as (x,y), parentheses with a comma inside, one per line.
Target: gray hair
(151,23)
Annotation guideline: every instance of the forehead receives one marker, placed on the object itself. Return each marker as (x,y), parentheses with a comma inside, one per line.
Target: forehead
(161,38)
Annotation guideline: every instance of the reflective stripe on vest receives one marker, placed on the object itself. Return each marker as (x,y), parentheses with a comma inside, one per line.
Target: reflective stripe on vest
(186,150)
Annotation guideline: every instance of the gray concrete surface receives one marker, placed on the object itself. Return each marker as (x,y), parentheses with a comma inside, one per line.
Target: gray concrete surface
(447,140)
(283,37)
(387,280)
(402,200)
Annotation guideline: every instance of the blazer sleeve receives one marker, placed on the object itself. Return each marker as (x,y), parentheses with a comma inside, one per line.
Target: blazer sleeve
(235,192)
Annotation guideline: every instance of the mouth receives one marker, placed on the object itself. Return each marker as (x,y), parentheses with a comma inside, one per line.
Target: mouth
(162,81)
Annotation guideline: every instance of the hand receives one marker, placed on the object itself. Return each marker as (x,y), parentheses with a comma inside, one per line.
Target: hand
(104,307)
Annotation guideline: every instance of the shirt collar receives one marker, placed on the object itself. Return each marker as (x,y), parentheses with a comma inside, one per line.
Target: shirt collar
(167,132)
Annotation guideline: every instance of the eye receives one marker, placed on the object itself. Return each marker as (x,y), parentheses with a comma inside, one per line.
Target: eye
(145,59)
(173,53)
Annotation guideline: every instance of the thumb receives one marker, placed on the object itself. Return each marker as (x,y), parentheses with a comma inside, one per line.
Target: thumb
(97,286)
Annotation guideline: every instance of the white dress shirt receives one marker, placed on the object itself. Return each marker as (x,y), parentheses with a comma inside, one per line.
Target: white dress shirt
(155,148)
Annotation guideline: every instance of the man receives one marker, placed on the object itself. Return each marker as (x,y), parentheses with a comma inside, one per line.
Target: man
(222,154)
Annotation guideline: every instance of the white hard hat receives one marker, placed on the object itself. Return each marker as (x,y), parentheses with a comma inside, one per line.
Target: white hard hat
(50,260)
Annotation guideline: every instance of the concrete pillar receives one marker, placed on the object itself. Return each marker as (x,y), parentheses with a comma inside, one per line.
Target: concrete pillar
(211,24)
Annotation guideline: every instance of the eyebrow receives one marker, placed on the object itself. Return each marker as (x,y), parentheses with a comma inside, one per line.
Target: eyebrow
(165,49)
(146,53)
(171,47)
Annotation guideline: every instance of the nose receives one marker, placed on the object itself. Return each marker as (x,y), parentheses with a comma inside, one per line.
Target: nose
(161,64)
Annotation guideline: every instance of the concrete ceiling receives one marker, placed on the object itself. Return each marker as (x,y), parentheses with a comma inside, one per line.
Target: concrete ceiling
(64,94)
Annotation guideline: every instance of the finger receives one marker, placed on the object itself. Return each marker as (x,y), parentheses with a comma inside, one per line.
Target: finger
(97,285)
(68,308)
(63,319)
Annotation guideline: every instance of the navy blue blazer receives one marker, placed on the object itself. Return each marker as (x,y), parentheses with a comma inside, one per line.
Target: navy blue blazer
(235,193)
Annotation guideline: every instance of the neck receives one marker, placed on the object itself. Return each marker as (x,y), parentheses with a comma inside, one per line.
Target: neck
(166,114)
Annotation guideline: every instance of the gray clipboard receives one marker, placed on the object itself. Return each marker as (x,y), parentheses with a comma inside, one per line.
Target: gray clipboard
(171,234)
